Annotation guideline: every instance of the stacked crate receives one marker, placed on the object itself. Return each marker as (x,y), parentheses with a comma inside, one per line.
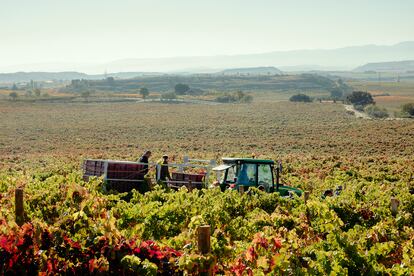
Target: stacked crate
(93,168)
(118,175)
(189,180)
(124,177)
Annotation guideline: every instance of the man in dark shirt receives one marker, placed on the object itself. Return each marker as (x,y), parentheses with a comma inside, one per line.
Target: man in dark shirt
(164,171)
(145,184)
(144,159)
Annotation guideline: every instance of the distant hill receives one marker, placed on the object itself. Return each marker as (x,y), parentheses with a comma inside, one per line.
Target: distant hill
(40,76)
(252,71)
(209,82)
(345,58)
(66,76)
(392,66)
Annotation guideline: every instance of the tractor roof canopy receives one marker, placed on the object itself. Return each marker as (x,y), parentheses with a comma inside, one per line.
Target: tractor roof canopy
(227,160)
(222,167)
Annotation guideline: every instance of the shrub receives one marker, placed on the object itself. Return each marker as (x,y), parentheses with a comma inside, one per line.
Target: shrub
(300,98)
(243,97)
(85,94)
(195,92)
(350,112)
(246,99)
(359,107)
(168,96)
(238,97)
(376,112)
(37,92)
(360,98)
(408,109)
(227,98)
(13,95)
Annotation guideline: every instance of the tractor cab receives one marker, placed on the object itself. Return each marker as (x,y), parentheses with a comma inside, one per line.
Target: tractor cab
(249,172)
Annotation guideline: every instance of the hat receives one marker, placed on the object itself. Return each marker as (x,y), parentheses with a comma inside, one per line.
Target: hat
(165,156)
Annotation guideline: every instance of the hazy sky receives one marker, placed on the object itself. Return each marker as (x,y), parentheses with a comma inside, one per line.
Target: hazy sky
(33,31)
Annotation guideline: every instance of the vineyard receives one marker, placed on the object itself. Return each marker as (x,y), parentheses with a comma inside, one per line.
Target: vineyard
(76,227)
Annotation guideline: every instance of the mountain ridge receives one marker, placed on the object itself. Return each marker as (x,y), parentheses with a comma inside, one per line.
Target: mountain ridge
(344,58)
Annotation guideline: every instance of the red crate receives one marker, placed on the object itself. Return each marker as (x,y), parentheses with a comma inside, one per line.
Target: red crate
(119,175)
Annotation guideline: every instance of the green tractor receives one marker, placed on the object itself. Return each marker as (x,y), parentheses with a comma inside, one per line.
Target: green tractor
(243,173)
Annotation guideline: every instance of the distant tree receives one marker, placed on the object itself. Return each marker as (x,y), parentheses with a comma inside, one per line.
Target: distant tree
(75,83)
(85,94)
(336,93)
(111,81)
(14,87)
(13,95)
(360,98)
(376,112)
(168,96)
(144,92)
(239,95)
(408,109)
(78,85)
(300,98)
(339,90)
(181,89)
(37,92)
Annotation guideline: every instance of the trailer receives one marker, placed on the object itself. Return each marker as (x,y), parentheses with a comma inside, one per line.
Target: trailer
(123,176)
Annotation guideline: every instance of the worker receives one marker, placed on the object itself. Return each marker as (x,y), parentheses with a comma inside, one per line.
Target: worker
(243,178)
(144,159)
(145,185)
(164,170)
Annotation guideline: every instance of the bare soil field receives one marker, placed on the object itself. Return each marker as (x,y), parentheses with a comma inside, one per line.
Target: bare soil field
(123,130)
